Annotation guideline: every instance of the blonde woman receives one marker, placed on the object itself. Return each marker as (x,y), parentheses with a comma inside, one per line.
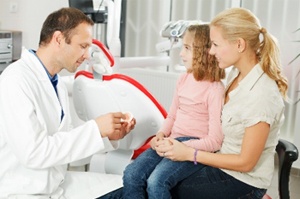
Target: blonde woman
(251,118)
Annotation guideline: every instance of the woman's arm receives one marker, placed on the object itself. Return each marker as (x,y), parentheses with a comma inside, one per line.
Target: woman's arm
(252,147)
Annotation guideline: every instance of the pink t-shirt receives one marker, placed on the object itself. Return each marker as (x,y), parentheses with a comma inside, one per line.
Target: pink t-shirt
(196,111)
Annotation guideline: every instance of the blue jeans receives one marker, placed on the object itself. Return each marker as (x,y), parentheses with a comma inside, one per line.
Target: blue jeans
(116,194)
(207,183)
(213,183)
(155,174)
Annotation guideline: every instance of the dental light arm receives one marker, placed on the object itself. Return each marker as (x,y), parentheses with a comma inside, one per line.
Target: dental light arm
(114,43)
(174,31)
(113,26)
(101,59)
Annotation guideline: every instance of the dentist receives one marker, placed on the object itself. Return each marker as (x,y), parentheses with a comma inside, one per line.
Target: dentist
(36,138)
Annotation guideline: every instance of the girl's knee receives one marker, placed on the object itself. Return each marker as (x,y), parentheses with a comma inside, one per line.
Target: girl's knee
(155,180)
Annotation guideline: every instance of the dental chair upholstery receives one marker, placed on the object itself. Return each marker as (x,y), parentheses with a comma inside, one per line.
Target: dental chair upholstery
(117,92)
(97,91)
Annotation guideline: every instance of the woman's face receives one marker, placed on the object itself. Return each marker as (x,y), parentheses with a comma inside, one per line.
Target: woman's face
(186,52)
(225,52)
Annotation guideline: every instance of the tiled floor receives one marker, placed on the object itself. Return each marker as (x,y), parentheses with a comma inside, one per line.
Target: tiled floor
(295,185)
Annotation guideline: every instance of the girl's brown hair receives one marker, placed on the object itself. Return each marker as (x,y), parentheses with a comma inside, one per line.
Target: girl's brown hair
(204,65)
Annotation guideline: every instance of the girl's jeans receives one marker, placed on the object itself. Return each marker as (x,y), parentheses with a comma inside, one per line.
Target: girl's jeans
(155,174)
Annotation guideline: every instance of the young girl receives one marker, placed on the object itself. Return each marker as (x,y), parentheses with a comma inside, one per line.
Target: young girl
(194,119)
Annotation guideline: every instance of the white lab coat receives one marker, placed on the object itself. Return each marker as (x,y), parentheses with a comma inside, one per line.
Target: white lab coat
(35,145)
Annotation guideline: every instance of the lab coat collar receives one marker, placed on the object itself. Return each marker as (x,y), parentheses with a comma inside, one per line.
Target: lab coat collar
(37,67)
(34,64)
(52,79)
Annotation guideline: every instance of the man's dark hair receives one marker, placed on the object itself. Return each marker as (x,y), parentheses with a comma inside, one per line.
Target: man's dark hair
(64,20)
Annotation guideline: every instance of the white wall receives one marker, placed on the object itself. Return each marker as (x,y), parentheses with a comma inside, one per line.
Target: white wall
(28,18)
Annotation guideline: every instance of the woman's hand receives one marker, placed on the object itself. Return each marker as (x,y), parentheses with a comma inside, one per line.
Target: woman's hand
(174,150)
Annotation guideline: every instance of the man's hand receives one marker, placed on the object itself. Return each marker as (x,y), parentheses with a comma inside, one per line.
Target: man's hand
(129,125)
(111,125)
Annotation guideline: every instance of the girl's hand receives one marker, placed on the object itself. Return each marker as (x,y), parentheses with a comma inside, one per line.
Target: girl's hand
(155,140)
(174,150)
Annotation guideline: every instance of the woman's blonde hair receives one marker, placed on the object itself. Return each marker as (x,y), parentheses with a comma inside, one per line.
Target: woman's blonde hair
(241,23)
(204,65)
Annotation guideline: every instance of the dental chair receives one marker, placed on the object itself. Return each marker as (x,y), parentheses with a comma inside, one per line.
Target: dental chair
(99,91)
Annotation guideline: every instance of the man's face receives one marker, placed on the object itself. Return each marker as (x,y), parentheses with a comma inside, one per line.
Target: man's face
(74,53)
